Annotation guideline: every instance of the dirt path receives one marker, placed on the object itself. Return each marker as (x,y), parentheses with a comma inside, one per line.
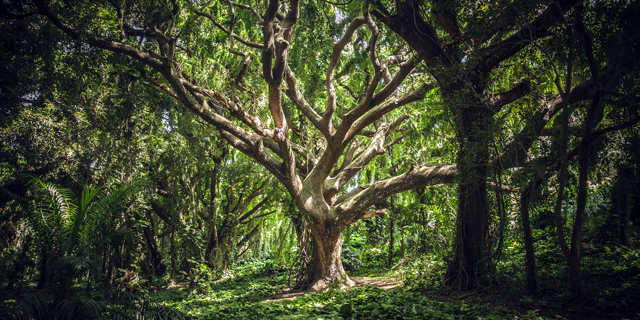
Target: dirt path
(383,283)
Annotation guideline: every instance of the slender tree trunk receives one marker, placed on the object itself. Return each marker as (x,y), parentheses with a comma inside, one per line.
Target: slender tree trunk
(593,118)
(391,239)
(172,254)
(624,219)
(530,264)
(424,219)
(619,218)
(156,256)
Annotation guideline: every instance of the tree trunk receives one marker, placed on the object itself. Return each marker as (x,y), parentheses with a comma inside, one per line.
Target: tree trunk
(156,256)
(467,266)
(326,265)
(621,198)
(172,254)
(210,253)
(575,283)
(624,220)
(594,116)
(391,239)
(530,264)
(469,262)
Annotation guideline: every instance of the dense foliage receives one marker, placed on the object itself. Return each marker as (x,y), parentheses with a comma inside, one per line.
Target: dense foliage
(148,169)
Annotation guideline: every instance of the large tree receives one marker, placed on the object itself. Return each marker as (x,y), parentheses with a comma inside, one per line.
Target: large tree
(472,49)
(316,165)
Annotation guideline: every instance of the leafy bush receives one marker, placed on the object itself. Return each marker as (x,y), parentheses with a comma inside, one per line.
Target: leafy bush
(421,272)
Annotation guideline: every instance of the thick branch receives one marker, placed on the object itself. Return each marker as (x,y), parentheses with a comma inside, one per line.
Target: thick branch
(374,213)
(345,131)
(114,46)
(516,151)
(351,206)
(293,93)
(253,210)
(501,99)
(376,113)
(495,54)
(335,57)
(376,147)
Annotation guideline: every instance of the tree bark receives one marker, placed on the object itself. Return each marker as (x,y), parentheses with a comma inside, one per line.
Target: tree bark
(156,256)
(326,265)
(530,264)
(391,239)
(468,266)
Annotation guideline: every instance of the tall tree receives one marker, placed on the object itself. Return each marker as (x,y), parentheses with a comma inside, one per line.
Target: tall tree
(467,47)
(314,176)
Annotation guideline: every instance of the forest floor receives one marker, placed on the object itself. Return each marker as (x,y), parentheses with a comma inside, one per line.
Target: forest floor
(379,282)
(258,290)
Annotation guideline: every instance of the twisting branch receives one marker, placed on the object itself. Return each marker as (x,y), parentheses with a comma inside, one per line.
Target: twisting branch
(114,46)
(333,185)
(346,131)
(373,55)
(247,7)
(293,93)
(376,113)
(277,39)
(255,209)
(501,99)
(335,57)
(537,29)
(515,153)
(162,86)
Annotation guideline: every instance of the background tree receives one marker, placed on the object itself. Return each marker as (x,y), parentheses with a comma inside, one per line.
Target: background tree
(468,49)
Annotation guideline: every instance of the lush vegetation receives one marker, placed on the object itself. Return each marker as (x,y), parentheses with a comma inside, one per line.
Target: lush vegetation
(196,159)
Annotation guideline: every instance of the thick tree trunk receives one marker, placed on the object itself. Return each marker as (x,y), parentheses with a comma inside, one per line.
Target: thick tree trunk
(326,265)
(469,262)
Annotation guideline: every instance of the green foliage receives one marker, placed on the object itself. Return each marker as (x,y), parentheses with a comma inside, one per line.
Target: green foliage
(421,273)
(242,293)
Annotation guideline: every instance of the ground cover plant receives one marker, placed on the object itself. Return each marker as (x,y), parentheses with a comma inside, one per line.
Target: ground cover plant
(248,292)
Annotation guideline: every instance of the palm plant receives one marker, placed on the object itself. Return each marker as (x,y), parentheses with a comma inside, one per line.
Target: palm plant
(72,230)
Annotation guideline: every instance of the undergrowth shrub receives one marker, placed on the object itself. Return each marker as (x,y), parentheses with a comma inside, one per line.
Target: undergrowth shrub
(421,272)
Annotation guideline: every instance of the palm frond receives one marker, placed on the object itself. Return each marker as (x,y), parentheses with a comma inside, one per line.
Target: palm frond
(77,265)
(36,305)
(100,211)
(84,204)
